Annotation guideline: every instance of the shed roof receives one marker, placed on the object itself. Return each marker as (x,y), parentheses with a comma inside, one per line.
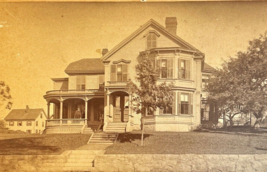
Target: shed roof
(86,66)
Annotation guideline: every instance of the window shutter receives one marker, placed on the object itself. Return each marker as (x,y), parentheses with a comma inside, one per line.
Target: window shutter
(179,102)
(170,68)
(113,73)
(154,41)
(179,68)
(148,41)
(187,69)
(124,72)
(174,103)
(158,67)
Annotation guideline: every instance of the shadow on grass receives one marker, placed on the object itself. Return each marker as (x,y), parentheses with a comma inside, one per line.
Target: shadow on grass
(23,146)
(260,149)
(130,137)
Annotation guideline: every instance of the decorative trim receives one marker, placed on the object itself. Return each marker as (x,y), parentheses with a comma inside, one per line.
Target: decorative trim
(152,31)
(122,61)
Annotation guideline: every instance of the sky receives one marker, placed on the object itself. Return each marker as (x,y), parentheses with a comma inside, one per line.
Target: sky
(39,40)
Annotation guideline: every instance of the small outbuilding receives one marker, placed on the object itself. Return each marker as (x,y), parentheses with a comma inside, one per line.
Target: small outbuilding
(27,120)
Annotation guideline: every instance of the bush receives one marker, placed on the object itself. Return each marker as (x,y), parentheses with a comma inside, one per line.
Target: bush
(2,124)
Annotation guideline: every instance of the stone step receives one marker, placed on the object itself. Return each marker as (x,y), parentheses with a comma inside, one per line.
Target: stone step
(84,169)
(87,152)
(81,157)
(78,164)
(79,160)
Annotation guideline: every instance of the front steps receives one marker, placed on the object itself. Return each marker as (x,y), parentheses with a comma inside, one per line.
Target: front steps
(113,127)
(102,138)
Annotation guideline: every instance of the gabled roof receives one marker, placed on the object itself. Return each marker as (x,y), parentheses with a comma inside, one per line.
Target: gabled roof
(208,69)
(23,114)
(159,27)
(86,66)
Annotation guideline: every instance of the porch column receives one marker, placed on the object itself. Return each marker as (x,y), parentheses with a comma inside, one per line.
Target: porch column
(48,110)
(130,104)
(86,107)
(108,109)
(61,111)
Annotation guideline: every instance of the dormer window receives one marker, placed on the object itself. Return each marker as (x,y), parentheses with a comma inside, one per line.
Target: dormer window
(151,40)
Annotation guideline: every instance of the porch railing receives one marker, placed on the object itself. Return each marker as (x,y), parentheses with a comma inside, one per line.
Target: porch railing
(65,122)
(74,91)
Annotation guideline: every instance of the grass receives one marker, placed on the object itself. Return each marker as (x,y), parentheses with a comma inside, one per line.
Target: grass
(190,143)
(34,144)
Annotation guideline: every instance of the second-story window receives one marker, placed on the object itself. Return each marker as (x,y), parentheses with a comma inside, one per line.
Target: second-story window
(119,72)
(151,41)
(29,123)
(80,82)
(165,67)
(184,69)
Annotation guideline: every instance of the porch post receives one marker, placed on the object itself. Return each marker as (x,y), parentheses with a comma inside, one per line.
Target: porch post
(130,104)
(61,111)
(48,110)
(108,107)
(85,113)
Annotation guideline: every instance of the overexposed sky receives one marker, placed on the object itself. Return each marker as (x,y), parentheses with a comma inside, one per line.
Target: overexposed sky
(39,40)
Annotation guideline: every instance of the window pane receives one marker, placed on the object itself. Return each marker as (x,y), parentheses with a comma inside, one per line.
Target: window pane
(119,68)
(164,73)
(164,63)
(182,64)
(119,77)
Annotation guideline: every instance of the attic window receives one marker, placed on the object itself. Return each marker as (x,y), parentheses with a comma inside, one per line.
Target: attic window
(151,40)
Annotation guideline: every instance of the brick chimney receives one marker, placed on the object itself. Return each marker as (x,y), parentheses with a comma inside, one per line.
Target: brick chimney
(27,109)
(104,51)
(171,24)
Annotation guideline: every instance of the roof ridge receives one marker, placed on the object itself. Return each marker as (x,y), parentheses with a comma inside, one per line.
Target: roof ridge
(139,30)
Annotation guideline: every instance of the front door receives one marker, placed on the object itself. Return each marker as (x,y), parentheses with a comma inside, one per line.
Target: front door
(121,108)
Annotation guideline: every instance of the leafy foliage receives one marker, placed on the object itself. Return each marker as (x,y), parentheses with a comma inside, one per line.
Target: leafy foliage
(240,86)
(5,97)
(148,94)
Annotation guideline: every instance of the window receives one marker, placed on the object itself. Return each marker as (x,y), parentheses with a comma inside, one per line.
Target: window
(19,123)
(185,103)
(42,124)
(151,41)
(29,123)
(36,123)
(80,82)
(119,72)
(11,123)
(165,67)
(41,116)
(167,110)
(184,69)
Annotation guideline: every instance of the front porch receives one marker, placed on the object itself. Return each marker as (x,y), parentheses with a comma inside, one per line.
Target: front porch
(74,111)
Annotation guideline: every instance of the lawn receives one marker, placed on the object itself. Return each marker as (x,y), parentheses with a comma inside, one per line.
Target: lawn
(190,143)
(34,144)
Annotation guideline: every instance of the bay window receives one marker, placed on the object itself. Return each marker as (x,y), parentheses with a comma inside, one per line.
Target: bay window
(183,69)
(165,67)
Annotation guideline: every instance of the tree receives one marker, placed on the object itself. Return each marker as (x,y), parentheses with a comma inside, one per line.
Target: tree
(240,86)
(149,95)
(5,97)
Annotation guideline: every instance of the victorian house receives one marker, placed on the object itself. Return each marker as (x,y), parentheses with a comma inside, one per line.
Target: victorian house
(95,93)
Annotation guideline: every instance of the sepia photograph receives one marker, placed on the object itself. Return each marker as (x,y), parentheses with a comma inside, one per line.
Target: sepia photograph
(133,86)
